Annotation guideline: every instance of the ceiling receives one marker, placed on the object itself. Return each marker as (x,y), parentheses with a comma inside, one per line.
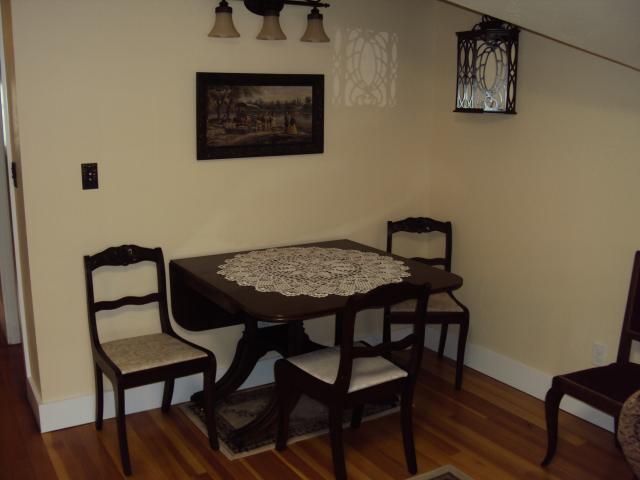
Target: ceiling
(607,28)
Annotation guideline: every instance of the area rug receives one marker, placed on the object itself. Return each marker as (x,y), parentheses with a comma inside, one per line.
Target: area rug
(446,472)
(308,419)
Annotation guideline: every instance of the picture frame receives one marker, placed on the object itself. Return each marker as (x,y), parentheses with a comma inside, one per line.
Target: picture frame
(256,115)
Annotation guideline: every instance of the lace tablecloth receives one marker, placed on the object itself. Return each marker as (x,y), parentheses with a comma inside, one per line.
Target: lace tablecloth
(313,271)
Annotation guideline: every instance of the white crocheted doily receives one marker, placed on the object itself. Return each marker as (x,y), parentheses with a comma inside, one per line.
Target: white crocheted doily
(313,271)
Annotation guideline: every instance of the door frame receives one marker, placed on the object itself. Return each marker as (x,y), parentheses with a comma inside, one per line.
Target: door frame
(8,272)
(16,295)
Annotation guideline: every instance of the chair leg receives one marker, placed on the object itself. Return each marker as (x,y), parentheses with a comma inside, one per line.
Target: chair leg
(282,434)
(462,345)
(386,329)
(284,409)
(99,396)
(551,406)
(209,411)
(406,412)
(444,329)
(337,335)
(337,447)
(167,395)
(356,416)
(615,431)
(122,430)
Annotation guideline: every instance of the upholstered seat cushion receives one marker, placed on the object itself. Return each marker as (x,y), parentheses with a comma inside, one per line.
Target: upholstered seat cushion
(617,381)
(366,372)
(149,351)
(438,302)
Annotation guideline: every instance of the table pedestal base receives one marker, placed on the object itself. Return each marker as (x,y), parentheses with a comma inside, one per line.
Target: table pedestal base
(287,339)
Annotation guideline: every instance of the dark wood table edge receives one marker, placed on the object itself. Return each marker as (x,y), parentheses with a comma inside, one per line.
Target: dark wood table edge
(233,307)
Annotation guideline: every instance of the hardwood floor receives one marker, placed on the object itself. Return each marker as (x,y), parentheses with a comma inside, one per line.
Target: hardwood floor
(488,430)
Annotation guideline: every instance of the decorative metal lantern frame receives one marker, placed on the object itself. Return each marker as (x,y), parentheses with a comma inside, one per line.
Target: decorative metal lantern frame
(487,67)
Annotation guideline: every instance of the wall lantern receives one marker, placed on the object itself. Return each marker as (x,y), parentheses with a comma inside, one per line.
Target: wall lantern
(270,11)
(487,67)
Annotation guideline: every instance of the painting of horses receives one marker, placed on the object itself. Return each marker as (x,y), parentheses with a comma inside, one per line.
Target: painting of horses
(250,115)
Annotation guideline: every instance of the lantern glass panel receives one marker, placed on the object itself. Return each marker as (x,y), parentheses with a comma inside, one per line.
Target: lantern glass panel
(491,75)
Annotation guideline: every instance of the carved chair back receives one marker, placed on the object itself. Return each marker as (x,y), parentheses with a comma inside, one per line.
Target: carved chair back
(123,256)
(424,225)
(378,298)
(631,324)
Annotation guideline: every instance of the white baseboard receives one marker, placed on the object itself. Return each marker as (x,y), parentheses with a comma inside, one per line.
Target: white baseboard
(80,410)
(34,399)
(515,374)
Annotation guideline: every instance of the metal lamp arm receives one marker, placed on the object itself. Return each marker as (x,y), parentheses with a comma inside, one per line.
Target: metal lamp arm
(307,3)
(260,7)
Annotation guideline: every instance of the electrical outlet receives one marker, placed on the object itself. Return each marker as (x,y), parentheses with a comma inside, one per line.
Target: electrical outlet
(598,354)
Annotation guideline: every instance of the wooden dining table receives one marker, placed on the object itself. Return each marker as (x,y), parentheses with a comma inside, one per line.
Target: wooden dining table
(203,299)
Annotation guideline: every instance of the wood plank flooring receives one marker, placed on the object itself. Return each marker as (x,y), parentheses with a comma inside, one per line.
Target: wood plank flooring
(488,430)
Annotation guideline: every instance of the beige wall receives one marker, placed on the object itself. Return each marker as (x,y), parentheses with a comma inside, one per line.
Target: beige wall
(544,203)
(114,83)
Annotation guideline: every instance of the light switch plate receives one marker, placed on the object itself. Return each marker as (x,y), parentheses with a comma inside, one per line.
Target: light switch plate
(89,176)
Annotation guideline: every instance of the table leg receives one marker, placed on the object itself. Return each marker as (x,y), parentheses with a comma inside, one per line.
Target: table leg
(252,346)
(287,339)
(297,342)
(243,362)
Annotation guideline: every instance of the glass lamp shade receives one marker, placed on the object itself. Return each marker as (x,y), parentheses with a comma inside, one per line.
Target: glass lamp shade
(223,26)
(315,29)
(271,28)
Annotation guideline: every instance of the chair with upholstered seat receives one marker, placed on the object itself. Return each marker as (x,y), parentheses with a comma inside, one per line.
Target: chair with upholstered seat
(605,388)
(348,376)
(444,308)
(141,360)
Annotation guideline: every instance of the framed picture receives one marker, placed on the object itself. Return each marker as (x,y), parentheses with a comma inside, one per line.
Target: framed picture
(256,115)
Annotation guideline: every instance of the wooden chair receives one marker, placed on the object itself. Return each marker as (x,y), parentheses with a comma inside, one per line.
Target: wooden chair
(605,388)
(146,359)
(444,308)
(351,375)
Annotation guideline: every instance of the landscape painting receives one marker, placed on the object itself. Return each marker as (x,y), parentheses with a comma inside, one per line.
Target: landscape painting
(249,115)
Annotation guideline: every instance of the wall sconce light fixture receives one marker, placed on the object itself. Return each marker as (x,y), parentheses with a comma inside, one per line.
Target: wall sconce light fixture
(270,11)
(487,67)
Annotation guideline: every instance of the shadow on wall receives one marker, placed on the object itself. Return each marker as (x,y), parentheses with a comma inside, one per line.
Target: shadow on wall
(365,68)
